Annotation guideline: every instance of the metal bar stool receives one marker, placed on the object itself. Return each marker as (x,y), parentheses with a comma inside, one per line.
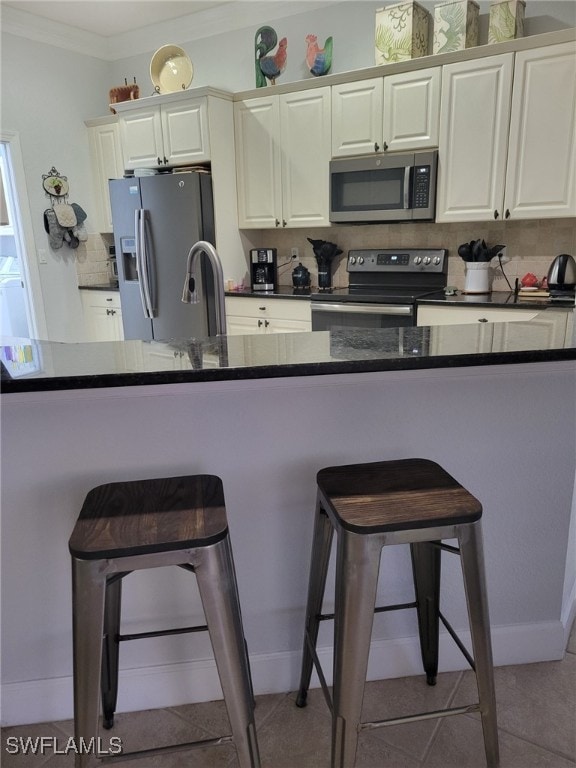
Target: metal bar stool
(124,527)
(370,506)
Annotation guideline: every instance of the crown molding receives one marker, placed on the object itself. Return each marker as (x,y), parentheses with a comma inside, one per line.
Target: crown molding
(24,24)
(235,15)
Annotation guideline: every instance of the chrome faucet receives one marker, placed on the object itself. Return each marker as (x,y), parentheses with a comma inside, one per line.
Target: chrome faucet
(190,293)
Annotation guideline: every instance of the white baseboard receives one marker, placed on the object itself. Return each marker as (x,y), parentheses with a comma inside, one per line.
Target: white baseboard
(171,685)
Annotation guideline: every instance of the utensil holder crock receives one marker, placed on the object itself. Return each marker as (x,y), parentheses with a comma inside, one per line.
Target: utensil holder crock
(477,278)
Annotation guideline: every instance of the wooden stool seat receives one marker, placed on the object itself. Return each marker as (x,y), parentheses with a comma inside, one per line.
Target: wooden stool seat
(395,495)
(130,526)
(134,518)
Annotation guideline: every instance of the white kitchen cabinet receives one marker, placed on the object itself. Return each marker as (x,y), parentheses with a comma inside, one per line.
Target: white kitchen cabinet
(246,315)
(396,112)
(541,170)
(282,156)
(106,163)
(509,151)
(169,134)
(524,329)
(102,315)
(474,124)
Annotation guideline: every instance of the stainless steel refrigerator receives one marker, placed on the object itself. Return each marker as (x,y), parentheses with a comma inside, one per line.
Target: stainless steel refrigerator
(156,220)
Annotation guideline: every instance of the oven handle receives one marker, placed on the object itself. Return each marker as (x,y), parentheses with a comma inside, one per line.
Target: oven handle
(368,309)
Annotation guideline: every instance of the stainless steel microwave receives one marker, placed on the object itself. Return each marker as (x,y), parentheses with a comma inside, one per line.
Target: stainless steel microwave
(376,188)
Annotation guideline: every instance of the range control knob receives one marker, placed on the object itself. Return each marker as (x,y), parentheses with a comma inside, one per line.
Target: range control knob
(418,260)
(352,259)
(437,260)
(427,260)
(360,259)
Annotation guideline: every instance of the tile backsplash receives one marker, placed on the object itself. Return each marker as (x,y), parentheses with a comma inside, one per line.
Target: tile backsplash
(531,245)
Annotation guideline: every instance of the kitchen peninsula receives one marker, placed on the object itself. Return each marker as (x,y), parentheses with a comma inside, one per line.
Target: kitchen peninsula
(265,413)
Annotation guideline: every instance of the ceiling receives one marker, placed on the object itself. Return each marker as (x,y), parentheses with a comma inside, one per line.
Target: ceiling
(117,29)
(108,18)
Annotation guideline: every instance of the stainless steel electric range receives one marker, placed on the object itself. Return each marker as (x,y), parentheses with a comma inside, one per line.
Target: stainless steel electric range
(384,285)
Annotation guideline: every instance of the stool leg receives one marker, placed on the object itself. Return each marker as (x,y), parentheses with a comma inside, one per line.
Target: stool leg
(111,650)
(426,560)
(321,546)
(472,558)
(357,568)
(214,568)
(88,595)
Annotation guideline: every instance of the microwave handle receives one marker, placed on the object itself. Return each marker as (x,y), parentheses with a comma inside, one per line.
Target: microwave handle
(407,173)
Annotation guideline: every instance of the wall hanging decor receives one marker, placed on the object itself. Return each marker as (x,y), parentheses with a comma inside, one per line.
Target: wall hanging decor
(319,60)
(123,93)
(269,66)
(63,222)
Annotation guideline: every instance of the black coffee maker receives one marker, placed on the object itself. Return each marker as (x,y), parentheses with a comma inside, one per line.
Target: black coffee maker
(263,269)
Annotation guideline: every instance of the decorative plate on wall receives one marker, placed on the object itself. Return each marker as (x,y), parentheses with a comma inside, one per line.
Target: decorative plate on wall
(171,69)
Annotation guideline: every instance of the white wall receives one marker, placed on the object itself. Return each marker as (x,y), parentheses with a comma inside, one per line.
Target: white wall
(46,95)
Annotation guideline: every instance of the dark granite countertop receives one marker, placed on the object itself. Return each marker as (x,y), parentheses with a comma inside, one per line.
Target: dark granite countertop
(281,292)
(30,365)
(496,300)
(100,287)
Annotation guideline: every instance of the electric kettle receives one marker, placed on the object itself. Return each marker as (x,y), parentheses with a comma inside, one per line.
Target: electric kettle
(562,275)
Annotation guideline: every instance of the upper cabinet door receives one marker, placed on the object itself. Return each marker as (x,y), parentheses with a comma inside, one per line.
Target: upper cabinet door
(357,118)
(412,110)
(305,129)
(106,159)
(540,177)
(141,133)
(185,132)
(258,166)
(474,122)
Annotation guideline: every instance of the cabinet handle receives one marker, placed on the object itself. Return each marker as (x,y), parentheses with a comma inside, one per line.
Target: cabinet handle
(262,308)
(507,214)
(482,320)
(283,222)
(277,223)
(109,299)
(165,160)
(496,214)
(259,323)
(376,146)
(159,161)
(385,147)
(266,323)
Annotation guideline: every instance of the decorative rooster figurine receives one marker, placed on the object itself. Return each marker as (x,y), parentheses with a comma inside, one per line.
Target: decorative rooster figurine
(319,60)
(272,66)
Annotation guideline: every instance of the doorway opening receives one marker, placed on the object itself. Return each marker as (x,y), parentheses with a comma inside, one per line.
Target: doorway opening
(17,316)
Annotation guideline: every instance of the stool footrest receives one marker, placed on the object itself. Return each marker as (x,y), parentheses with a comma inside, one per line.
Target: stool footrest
(142,753)
(380,609)
(162,632)
(459,643)
(422,716)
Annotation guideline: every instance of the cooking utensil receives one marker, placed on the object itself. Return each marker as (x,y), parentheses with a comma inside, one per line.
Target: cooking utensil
(465,252)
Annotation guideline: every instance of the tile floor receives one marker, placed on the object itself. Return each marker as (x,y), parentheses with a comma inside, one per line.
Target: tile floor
(536,715)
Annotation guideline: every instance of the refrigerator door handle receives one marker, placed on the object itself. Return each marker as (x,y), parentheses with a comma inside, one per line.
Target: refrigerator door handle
(142,262)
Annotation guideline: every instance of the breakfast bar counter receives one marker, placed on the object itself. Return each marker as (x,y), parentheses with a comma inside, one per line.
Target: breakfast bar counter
(265,413)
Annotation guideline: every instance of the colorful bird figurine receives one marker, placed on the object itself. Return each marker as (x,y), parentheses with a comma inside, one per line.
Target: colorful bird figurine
(272,66)
(319,60)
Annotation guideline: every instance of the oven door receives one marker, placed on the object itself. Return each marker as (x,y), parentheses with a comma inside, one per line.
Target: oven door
(327,315)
